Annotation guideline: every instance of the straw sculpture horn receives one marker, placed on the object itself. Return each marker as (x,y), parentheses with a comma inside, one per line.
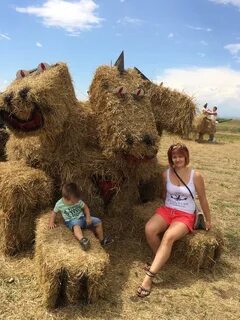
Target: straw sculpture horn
(120,63)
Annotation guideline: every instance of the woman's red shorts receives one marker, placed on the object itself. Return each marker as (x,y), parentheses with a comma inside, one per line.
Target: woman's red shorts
(171,215)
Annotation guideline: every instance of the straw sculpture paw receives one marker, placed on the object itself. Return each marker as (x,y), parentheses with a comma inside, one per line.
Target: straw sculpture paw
(24,192)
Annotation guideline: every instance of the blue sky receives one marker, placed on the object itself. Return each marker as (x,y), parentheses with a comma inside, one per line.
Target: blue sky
(190,45)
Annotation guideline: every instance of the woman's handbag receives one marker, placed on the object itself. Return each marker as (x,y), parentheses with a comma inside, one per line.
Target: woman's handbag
(199,223)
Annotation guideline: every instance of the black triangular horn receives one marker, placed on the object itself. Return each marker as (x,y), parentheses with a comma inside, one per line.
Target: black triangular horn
(141,74)
(120,62)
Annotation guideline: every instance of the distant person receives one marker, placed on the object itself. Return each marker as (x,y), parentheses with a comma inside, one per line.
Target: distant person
(76,215)
(176,217)
(213,118)
(214,115)
(204,109)
(208,112)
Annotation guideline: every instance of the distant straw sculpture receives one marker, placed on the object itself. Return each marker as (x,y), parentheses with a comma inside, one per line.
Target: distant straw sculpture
(202,125)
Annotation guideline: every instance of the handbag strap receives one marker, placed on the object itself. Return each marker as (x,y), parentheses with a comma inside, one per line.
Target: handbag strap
(184,184)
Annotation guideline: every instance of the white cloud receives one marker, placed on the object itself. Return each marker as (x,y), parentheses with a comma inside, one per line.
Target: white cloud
(233,48)
(72,16)
(170,35)
(199,28)
(128,20)
(4,36)
(201,54)
(218,86)
(203,42)
(232,2)
(38,44)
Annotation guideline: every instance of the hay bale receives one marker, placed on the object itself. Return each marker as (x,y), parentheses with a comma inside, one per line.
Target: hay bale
(174,111)
(3,140)
(23,192)
(199,250)
(66,273)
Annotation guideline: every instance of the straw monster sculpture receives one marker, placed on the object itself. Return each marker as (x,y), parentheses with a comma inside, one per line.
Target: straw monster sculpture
(108,146)
(128,135)
(50,143)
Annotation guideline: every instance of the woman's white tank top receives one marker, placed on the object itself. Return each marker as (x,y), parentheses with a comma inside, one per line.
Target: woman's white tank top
(178,197)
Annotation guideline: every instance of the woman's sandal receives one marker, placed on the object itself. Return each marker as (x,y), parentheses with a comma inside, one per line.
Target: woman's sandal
(143,292)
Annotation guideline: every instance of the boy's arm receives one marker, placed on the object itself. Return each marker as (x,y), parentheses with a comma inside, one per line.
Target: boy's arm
(52,220)
(87,214)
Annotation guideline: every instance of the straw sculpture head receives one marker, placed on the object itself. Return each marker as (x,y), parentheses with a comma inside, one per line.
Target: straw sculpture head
(126,122)
(36,103)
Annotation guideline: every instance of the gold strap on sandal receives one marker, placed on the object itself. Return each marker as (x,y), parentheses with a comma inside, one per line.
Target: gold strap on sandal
(150,274)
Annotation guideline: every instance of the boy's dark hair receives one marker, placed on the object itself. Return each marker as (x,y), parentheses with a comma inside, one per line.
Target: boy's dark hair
(70,189)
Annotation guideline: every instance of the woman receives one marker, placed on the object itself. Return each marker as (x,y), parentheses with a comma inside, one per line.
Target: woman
(176,218)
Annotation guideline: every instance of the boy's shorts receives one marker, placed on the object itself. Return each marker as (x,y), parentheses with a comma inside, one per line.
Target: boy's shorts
(170,215)
(82,222)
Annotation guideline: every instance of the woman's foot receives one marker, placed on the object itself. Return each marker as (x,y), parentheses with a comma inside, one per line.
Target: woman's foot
(145,289)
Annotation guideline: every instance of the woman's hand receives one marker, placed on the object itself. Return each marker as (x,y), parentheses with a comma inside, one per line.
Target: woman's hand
(208,225)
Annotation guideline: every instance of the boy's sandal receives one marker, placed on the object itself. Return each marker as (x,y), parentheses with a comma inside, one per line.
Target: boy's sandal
(85,244)
(106,241)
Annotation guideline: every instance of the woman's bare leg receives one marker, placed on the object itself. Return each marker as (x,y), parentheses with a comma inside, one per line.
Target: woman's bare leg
(153,228)
(176,231)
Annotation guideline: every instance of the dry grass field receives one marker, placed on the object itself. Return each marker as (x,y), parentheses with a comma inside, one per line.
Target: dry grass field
(179,293)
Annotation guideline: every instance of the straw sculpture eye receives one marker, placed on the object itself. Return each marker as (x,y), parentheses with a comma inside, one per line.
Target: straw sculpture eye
(138,93)
(43,66)
(120,91)
(22,74)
